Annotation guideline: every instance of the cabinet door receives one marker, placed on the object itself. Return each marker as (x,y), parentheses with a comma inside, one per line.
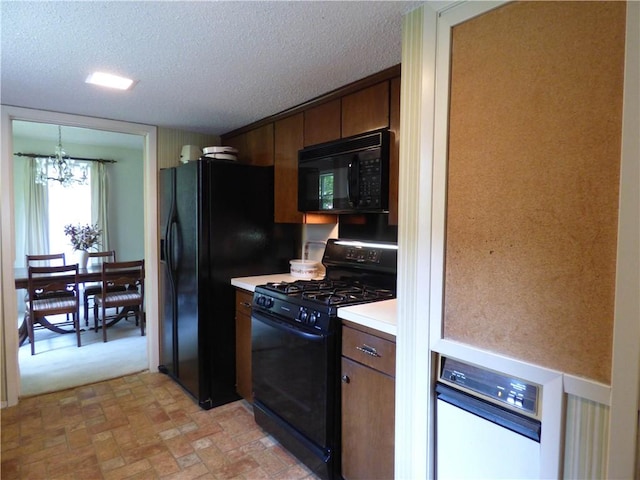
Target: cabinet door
(255,147)
(368,422)
(260,145)
(322,123)
(288,140)
(243,344)
(366,110)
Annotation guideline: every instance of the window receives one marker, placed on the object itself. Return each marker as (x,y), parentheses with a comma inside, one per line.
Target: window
(67,205)
(326,191)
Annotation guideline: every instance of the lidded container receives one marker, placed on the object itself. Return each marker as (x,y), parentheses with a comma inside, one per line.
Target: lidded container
(303,268)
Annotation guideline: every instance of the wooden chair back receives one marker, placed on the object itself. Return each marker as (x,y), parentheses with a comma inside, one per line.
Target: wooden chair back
(99,258)
(93,288)
(129,275)
(46,260)
(43,281)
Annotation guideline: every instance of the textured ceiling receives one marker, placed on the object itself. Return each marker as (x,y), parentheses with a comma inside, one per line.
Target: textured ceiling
(207,66)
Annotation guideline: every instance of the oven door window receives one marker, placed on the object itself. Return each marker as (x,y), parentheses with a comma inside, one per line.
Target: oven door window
(291,376)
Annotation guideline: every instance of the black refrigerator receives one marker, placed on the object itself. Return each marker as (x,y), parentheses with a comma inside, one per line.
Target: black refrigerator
(216,223)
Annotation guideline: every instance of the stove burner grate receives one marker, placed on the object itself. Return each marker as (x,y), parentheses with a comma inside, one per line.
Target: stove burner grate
(347,295)
(299,286)
(331,292)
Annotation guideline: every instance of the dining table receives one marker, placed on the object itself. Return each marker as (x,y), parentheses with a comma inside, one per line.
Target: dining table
(93,273)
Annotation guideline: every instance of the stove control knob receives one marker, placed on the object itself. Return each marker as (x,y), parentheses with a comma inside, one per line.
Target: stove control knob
(312,318)
(265,302)
(302,316)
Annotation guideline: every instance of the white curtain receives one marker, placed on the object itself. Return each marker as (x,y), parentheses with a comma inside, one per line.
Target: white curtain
(33,223)
(99,200)
(36,223)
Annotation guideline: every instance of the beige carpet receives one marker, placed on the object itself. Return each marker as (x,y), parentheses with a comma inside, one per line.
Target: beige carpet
(59,364)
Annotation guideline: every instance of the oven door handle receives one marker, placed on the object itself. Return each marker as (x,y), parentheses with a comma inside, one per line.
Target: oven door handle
(313,337)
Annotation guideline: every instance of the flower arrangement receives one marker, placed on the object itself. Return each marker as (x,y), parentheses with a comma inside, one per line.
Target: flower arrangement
(83,237)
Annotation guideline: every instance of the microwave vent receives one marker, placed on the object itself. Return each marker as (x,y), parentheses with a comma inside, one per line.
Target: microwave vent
(346,145)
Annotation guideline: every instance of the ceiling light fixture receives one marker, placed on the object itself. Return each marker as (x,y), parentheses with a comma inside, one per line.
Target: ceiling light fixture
(60,167)
(109,80)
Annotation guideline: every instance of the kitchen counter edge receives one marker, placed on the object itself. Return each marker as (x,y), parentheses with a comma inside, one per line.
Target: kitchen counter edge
(381,316)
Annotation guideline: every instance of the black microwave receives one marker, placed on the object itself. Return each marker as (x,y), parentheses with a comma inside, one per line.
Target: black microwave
(350,175)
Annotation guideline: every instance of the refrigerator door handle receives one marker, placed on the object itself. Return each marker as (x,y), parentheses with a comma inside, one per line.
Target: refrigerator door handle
(174,245)
(165,245)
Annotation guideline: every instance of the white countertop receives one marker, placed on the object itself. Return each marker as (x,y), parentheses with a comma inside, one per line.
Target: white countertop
(380,316)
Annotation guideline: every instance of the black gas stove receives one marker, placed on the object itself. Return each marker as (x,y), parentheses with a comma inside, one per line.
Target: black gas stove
(295,348)
(356,272)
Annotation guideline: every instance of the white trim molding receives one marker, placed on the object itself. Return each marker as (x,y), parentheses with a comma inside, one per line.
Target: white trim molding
(625,375)
(413,432)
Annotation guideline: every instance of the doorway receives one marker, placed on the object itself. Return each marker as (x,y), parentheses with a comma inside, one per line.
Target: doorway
(59,364)
(10,370)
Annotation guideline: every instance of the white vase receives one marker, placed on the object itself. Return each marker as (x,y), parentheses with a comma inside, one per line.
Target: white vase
(83,258)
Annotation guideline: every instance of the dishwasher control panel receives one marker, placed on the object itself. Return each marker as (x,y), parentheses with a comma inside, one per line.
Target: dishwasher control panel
(499,388)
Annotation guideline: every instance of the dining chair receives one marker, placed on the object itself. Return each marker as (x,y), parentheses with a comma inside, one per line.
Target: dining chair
(50,259)
(90,289)
(129,276)
(52,290)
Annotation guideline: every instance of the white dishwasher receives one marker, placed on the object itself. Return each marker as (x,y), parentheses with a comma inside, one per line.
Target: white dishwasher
(487,424)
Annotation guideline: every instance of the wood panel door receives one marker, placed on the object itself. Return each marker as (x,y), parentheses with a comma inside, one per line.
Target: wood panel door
(243,344)
(322,123)
(255,147)
(368,422)
(260,145)
(288,140)
(366,110)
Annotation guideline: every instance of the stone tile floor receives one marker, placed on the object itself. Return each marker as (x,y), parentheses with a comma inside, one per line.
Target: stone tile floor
(140,426)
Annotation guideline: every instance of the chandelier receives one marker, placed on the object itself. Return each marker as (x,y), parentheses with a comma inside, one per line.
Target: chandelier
(60,167)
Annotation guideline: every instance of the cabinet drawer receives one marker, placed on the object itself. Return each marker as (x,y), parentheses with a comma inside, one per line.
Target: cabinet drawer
(369,350)
(243,301)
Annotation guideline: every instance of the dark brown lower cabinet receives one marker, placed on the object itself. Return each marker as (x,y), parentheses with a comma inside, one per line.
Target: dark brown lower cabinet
(368,406)
(243,344)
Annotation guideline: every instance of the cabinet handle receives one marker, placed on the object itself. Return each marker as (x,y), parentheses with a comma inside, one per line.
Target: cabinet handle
(346,379)
(245,304)
(368,350)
